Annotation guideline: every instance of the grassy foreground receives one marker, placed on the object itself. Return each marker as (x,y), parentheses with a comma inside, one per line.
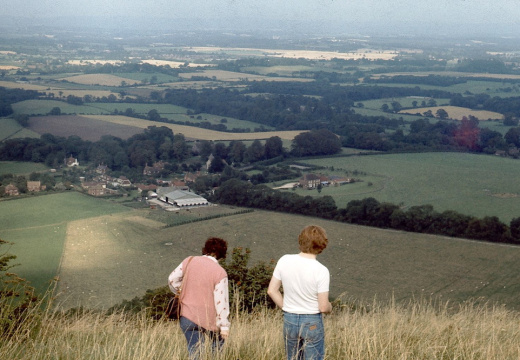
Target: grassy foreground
(419,330)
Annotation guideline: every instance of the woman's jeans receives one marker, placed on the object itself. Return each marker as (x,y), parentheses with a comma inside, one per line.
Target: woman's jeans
(304,336)
(195,336)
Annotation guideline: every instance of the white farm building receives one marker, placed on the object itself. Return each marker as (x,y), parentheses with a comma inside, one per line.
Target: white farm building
(182,198)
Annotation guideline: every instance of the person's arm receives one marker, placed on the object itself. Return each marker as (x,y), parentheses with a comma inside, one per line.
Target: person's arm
(221,299)
(323,303)
(274,291)
(175,279)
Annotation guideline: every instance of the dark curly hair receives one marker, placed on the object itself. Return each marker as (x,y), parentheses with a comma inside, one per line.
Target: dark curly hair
(215,246)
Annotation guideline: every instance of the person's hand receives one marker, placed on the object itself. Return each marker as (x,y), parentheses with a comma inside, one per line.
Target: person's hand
(224,334)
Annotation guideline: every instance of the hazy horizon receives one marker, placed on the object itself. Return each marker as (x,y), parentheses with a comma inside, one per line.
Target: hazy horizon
(439,18)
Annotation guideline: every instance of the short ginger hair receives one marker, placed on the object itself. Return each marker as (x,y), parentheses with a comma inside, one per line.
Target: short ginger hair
(313,239)
(215,246)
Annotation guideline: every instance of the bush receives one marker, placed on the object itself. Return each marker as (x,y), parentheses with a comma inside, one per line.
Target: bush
(18,301)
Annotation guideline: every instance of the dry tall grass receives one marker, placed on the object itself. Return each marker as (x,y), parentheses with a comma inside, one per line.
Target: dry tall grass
(420,330)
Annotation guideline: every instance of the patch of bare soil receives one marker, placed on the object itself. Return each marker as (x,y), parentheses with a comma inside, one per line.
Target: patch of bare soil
(82,126)
(505,195)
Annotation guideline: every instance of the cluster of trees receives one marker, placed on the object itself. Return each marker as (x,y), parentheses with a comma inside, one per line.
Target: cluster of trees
(11,96)
(159,143)
(434,80)
(507,105)
(155,143)
(370,212)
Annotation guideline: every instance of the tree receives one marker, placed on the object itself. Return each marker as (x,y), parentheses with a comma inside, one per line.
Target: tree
(513,136)
(273,147)
(55,111)
(154,115)
(255,152)
(236,152)
(249,282)
(396,106)
(442,114)
(514,227)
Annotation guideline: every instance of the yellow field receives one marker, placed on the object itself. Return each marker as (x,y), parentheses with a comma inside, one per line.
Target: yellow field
(189,85)
(306,54)
(172,64)
(15,85)
(100,79)
(224,75)
(8,67)
(191,132)
(92,62)
(456,113)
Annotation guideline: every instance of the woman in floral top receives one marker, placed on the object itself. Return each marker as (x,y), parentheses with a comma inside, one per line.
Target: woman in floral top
(205,296)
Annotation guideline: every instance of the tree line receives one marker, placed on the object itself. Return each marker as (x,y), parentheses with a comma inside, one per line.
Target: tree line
(370,212)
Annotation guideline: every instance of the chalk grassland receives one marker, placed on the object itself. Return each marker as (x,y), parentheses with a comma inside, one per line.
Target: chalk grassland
(9,129)
(456,112)
(417,331)
(192,132)
(110,258)
(21,168)
(84,127)
(223,75)
(37,227)
(467,183)
(296,54)
(100,79)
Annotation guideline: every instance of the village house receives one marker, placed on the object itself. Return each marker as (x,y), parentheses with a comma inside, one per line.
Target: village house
(101,169)
(97,190)
(310,181)
(143,188)
(11,190)
(123,181)
(35,186)
(339,180)
(190,177)
(155,169)
(71,161)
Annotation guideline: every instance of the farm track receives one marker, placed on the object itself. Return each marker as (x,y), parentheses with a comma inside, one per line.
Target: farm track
(37,227)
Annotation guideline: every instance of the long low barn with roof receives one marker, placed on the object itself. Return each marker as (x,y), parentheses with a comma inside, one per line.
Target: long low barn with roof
(180,198)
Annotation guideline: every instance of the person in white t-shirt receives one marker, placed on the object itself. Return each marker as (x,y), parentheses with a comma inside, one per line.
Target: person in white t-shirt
(305,296)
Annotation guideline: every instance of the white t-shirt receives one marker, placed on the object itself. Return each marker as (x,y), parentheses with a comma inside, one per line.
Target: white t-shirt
(302,279)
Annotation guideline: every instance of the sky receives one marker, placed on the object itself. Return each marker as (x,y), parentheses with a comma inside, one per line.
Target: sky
(389,14)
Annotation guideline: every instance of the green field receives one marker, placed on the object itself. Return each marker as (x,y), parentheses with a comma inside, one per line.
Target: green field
(37,227)
(172,112)
(111,253)
(121,257)
(43,107)
(478,185)
(9,129)
(21,168)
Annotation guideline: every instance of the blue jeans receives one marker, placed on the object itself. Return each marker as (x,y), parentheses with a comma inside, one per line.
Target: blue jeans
(195,336)
(304,336)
